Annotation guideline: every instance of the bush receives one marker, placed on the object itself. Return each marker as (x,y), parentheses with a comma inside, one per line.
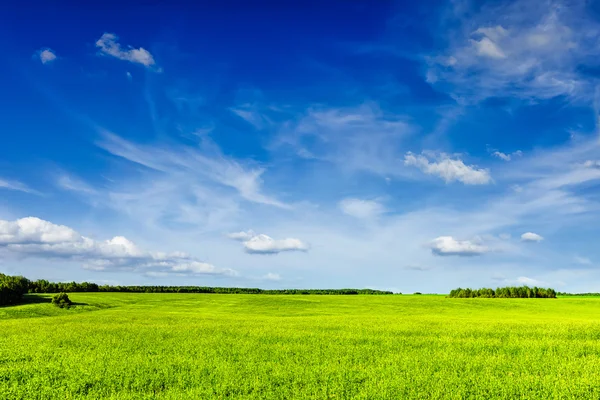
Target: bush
(61,300)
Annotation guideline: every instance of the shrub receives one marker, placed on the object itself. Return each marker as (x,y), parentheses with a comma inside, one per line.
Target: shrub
(61,300)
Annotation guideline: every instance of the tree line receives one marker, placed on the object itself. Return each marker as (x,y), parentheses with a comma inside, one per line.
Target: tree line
(578,294)
(12,289)
(43,286)
(512,292)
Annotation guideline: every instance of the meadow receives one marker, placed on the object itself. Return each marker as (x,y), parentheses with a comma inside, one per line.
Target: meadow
(204,346)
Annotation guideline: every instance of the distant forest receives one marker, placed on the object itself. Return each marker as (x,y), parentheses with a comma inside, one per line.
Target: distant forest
(509,292)
(12,289)
(579,294)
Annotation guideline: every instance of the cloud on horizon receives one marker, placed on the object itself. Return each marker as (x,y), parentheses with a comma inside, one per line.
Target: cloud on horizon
(34,237)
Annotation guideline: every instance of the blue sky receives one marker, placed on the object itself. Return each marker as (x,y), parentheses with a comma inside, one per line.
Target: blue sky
(339,144)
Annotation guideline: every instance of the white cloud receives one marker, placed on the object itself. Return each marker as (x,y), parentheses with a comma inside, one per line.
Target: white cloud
(252,115)
(507,157)
(520,281)
(263,244)
(519,49)
(363,138)
(46,56)
(108,44)
(193,163)
(34,230)
(200,268)
(502,156)
(583,260)
(486,47)
(16,185)
(35,237)
(592,164)
(448,246)
(242,236)
(363,209)
(524,280)
(531,237)
(449,169)
(272,277)
(74,184)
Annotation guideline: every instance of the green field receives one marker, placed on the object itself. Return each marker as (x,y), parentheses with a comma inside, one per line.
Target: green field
(197,346)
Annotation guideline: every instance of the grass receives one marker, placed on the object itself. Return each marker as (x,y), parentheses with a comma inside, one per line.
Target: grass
(195,346)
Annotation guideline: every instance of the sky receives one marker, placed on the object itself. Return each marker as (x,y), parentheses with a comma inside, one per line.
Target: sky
(404,146)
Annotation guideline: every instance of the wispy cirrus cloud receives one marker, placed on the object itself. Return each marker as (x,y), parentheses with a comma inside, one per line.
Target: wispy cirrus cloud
(361,138)
(521,49)
(583,260)
(16,185)
(206,161)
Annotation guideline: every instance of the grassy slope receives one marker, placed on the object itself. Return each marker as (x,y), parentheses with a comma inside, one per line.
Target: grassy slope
(285,347)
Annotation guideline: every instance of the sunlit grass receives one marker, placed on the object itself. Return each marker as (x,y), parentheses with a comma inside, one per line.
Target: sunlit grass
(180,346)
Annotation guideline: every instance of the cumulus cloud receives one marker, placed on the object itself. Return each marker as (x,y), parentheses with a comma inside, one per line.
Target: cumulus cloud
(46,56)
(450,170)
(531,237)
(449,246)
(363,209)
(108,45)
(35,237)
(263,244)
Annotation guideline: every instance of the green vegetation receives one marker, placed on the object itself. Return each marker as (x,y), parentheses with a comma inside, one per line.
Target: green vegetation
(61,300)
(43,286)
(511,292)
(197,346)
(578,294)
(12,289)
